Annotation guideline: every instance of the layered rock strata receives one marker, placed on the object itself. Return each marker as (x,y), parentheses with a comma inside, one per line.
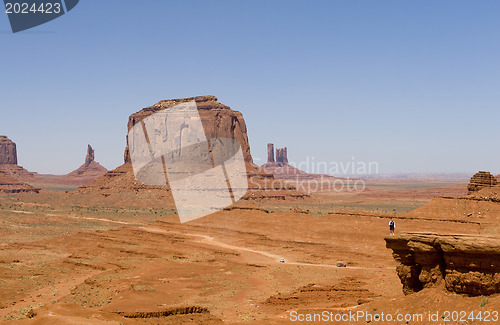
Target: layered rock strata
(481,180)
(218,120)
(10,185)
(464,264)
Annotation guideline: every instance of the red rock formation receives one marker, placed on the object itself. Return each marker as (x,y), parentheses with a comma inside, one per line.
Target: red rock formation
(466,264)
(9,185)
(281,169)
(8,152)
(11,175)
(86,173)
(219,121)
(480,180)
(270,153)
(281,156)
(90,155)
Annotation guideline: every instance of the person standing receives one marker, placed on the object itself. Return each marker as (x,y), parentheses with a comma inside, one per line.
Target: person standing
(392,225)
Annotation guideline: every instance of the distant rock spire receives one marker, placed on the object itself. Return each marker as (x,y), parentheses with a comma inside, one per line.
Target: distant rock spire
(270,153)
(90,155)
(282,156)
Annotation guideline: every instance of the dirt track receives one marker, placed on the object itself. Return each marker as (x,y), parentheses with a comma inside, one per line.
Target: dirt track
(227,263)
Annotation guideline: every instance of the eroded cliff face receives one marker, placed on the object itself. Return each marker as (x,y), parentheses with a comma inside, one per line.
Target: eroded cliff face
(465,264)
(8,152)
(219,121)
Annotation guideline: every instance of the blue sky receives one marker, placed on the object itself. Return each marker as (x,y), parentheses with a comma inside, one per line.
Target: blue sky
(412,85)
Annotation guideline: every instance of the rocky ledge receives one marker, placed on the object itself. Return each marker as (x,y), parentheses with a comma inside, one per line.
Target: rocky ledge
(466,264)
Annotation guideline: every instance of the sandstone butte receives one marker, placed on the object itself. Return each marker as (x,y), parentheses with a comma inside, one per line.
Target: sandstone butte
(9,169)
(8,151)
(219,121)
(15,178)
(281,169)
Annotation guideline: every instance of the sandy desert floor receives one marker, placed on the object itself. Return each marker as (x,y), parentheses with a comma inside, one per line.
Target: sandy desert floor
(64,262)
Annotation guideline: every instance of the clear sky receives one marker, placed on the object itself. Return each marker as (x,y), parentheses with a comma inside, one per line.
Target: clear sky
(411,85)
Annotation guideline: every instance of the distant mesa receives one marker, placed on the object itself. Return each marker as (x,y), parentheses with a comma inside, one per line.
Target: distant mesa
(10,172)
(16,179)
(281,168)
(281,156)
(481,204)
(481,180)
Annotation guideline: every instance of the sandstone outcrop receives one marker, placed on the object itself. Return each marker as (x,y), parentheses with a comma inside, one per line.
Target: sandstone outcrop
(481,204)
(270,153)
(219,121)
(282,156)
(8,152)
(85,174)
(281,168)
(89,158)
(10,185)
(481,180)
(12,176)
(88,172)
(464,264)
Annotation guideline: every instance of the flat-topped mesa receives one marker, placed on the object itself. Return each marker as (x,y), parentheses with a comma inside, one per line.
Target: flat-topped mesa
(90,157)
(218,120)
(481,180)
(467,264)
(8,152)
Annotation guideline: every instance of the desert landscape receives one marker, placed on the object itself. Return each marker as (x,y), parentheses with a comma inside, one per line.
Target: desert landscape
(98,247)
